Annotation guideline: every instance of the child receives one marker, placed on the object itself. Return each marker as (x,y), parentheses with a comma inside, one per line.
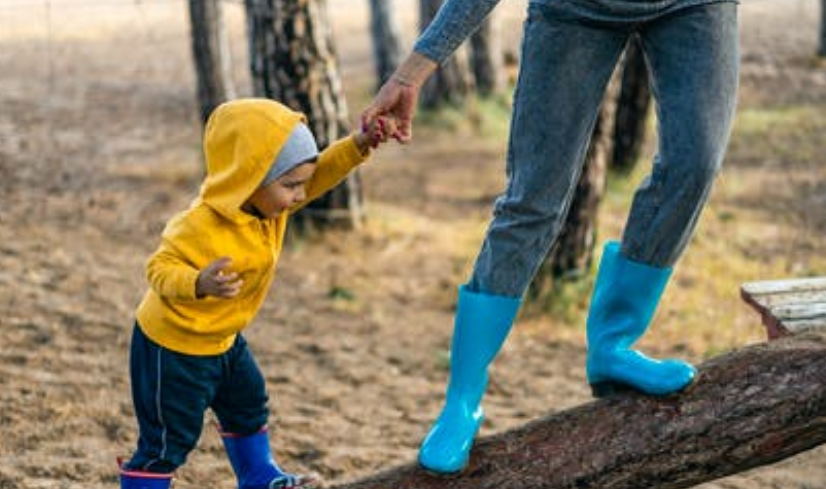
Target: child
(208,278)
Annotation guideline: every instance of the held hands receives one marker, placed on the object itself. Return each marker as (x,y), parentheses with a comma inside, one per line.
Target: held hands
(217,281)
(398,96)
(397,101)
(379,130)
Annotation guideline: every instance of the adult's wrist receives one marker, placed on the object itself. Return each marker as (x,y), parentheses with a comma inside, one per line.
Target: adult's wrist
(414,70)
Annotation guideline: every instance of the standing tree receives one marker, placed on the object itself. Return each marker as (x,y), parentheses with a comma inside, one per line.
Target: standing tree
(293,61)
(386,39)
(822,43)
(572,253)
(486,58)
(632,109)
(451,82)
(210,49)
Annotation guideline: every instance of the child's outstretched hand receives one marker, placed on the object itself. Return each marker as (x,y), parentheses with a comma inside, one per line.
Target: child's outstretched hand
(381,130)
(216,281)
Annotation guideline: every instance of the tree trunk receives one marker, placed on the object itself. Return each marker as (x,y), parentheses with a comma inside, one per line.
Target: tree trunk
(572,253)
(822,44)
(210,49)
(386,39)
(293,61)
(749,408)
(450,83)
(632,109)
(486,58)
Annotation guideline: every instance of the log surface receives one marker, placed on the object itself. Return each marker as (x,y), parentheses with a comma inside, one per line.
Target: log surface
(749,408)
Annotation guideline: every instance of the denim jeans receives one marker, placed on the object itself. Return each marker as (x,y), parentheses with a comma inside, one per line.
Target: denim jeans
(567,59)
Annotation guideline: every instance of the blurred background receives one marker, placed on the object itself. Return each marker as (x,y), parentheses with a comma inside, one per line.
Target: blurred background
(101,110)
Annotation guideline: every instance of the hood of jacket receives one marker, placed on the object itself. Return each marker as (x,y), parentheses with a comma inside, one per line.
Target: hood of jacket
(241,140)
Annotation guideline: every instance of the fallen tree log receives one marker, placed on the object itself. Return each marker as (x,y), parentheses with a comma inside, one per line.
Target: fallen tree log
(749,408)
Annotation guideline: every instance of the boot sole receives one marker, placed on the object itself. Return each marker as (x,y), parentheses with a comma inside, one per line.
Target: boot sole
(602,390)
(442,475)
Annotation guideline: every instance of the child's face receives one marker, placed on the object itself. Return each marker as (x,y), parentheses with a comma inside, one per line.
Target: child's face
(283,192)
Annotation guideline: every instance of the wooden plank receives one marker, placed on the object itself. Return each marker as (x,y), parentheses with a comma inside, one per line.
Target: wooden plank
(785,286)
(802,297)
(788,306)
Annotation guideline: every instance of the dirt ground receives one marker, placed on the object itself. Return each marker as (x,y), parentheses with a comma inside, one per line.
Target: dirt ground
(99,144)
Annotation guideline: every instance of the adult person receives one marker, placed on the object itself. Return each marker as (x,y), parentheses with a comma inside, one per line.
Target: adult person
(569,50)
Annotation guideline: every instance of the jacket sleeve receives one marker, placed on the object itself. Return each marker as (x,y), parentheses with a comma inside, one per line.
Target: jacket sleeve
(169,272)
(455,22)
(333,166)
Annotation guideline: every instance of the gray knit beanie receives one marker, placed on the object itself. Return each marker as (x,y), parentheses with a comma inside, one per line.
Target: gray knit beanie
(299,148)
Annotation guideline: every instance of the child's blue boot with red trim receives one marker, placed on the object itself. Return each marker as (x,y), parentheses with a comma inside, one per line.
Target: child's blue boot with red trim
(137,479)
(254,466)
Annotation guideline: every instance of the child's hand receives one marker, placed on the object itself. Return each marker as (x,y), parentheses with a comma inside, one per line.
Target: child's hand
(381,130)
(214,280)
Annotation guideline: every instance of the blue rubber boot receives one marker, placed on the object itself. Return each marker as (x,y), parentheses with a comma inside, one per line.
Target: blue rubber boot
(135,479)
(254,466)
(482,323)
(625,297)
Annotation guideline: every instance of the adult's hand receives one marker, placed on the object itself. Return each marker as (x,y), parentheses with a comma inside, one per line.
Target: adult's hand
(395,100)
(398,96)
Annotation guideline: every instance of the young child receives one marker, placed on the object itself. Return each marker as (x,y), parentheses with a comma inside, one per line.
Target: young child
(209,277)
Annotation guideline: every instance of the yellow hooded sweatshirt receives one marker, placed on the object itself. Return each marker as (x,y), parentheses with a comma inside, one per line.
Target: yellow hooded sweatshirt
(241,141)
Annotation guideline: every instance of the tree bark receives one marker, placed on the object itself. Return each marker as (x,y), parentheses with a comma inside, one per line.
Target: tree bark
(210,49)
(749,408)
(450,84)
(632,110)
(821,51)
(386,39)
(293,61)
(572,253)
(486,58)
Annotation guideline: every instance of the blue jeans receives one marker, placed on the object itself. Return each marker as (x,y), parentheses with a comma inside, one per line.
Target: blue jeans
(567,60)
(171,391)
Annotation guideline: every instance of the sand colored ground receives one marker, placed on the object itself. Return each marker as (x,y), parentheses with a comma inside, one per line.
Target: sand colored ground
(99,145)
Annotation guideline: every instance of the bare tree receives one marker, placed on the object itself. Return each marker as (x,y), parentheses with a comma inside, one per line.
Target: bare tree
(386,39)
(210,49)
(822,42)
(486,57)
(293,61)
(632,109)
(451,82)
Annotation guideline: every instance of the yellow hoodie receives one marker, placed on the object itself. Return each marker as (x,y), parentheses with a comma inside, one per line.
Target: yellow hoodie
(241,141)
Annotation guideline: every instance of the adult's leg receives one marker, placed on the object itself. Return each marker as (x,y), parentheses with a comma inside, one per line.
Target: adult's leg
(565,67)
(692,56)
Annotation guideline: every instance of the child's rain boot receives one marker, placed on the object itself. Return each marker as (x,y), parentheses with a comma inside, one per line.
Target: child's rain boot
(136,479)
(254,465)
(482,324)
(625,297)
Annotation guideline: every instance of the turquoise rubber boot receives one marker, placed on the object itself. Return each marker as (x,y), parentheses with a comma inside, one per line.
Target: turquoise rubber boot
(254,466)
(625,297)
(482,324)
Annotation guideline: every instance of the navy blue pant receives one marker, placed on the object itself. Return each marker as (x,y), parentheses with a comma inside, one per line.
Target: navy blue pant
(171,392)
